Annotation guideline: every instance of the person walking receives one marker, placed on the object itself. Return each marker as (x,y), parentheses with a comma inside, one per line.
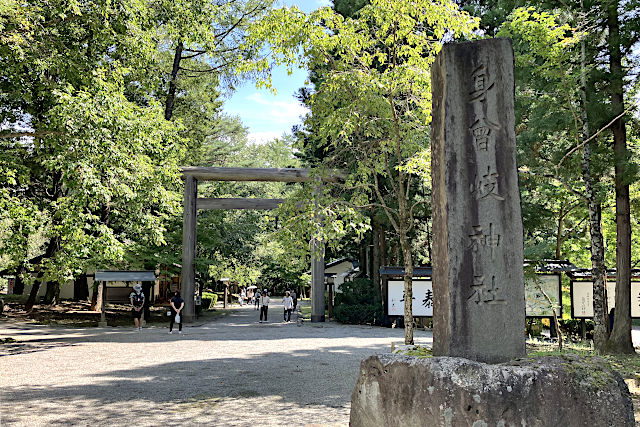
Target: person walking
(264,301)
(294,297)
(256,300)
(287,301)
(137,303)
(177,304)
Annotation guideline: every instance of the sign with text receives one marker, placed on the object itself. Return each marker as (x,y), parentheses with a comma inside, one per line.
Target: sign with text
(582,298)
(422,305)
(536,303)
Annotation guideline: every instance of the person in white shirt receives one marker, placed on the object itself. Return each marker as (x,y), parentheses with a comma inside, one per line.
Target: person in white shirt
(287,301)
(264,302)
(257,299)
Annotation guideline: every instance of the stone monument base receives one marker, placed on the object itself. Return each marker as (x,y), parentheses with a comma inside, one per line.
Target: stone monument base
(449,391)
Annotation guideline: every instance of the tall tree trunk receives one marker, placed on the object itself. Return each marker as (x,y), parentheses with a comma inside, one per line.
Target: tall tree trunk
(18,286)
(56,294)
(600,313)
(620,339)
(382,240)
(146,290)
(404,224)
(50,295)
(429,241)
(362,257)
(94,297)
(52,247)
(383,245)
(408,285)
(375,254)
(81,288)
(559,233)
(171,94)
(33,295)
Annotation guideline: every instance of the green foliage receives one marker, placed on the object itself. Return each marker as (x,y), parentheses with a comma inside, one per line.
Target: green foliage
(370,106)
(89,173)
(209,300)
(573,330)
(358,303)
(89,161)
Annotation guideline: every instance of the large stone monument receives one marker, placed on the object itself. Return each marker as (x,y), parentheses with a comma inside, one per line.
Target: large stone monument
(479,307)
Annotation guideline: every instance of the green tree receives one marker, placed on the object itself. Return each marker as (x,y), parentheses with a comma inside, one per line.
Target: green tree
(205,38)
(374,99)
(86,167)
(565,78)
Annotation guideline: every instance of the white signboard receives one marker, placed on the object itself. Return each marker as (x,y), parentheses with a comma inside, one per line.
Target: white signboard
(537,304)
(635,299)
(582,298)
(422,305)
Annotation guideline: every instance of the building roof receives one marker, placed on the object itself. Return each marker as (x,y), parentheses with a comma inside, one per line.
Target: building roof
(125,276)
(555,265)
(338,261)
(399,271)
(585,274)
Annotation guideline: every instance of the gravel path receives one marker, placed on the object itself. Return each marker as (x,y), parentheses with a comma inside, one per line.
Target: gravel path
(232,371)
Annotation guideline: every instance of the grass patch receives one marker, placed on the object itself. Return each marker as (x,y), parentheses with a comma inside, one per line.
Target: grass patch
(14,299)
(627,365)
(78,314)
(418,351)
(305,312)
(212,314)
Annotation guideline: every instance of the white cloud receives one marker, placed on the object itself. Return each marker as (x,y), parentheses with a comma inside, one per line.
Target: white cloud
(263,137)
(287,112)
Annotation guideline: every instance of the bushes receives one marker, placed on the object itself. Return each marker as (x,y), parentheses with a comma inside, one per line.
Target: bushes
(209,300)
(358,303)
(358,314)
(572,329)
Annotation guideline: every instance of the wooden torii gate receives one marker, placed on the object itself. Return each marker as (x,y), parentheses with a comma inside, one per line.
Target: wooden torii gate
(192,203)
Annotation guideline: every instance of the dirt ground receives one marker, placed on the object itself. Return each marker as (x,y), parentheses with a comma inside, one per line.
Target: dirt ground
(62,370)
(228,371)
(74,313)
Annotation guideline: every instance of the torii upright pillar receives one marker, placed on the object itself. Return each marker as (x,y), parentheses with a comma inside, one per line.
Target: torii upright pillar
(189,231)
(317,281)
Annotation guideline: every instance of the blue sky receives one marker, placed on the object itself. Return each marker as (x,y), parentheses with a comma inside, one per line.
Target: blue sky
(266,115)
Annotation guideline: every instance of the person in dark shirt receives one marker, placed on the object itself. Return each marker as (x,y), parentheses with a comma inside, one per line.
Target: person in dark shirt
(177,304)
(137,305)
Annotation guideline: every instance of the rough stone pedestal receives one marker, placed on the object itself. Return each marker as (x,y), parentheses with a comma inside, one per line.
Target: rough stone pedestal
(449,391)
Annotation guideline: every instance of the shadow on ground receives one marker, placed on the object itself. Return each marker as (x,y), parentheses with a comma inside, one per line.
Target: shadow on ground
(196,386)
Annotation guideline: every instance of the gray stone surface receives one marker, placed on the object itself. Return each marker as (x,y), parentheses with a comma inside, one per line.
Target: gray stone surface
(479,307)
(447,391)
(232,371)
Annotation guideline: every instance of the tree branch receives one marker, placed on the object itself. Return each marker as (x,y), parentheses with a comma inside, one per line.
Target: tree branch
(586,141)
(39,134)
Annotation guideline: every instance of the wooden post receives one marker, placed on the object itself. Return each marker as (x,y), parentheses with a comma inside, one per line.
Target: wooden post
(102,296)
(317,264)
(331,285)
(317,281)
(226,295)
(189,247)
